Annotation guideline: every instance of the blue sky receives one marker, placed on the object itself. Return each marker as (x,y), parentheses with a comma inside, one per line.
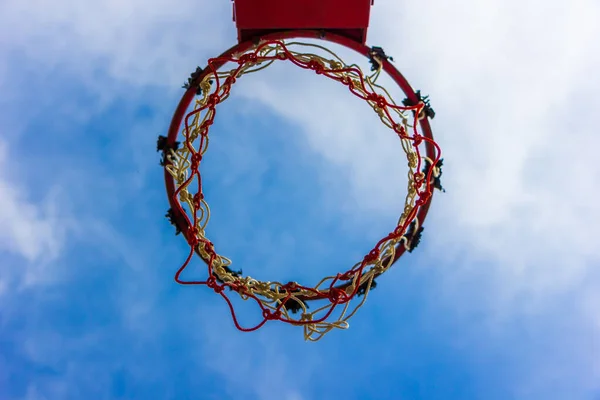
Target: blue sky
(500,301)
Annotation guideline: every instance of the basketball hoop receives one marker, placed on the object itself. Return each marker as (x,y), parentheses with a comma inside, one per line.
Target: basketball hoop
(337,297)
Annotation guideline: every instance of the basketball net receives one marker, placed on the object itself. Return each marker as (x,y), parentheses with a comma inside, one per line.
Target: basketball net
(338,296)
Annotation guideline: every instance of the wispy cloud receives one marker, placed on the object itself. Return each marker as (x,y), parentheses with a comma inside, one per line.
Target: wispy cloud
(31,228)
(503,289)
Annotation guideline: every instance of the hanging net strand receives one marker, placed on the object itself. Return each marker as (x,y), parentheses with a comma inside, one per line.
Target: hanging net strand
(335,299)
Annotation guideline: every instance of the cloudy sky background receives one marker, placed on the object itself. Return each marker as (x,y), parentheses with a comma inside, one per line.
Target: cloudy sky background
(501,300)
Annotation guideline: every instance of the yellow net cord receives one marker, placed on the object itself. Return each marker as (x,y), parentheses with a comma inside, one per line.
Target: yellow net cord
(338,296)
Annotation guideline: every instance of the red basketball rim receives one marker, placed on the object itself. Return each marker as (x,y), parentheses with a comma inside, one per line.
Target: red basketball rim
(190,94)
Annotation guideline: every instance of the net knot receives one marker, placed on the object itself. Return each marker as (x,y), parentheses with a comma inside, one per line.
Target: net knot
(205,125)
(337,296)
(192,234)
(417,139)
(234,286)
(212,283)
(268,315)
(196,158)
(316,66)
(372,256)
(208,247)
(198,197)
(377,99)
(423,198)
(400,130)
(213,100)
(346,276)
(401,230)
(248,58)
(240,288)
(230,80)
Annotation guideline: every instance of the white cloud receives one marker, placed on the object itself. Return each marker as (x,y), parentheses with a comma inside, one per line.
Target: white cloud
(149,42)
(258,366)
(30,229)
